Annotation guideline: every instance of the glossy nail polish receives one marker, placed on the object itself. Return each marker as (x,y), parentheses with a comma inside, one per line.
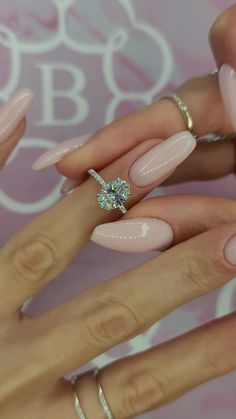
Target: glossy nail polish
(56,154)
(230,251)
(227,82)
(134,235)
(12,112)
(162,159)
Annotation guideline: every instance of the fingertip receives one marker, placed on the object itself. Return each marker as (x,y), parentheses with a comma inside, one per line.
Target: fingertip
(222,37)
(134,235)
(59,154)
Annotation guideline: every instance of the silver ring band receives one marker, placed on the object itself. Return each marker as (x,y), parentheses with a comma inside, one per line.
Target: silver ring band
(78,409)
(102,398)
(113,194)
(104,404)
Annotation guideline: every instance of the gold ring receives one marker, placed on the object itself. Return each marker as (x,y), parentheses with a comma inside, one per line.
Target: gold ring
(183,109)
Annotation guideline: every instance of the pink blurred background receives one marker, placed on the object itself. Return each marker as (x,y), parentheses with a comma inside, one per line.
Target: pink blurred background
(89,63)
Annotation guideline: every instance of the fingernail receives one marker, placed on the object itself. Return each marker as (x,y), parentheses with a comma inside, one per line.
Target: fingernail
(68,186)
(230,251)
(227,82)
(12,112)
(134,235)
(56,154)
(160,160)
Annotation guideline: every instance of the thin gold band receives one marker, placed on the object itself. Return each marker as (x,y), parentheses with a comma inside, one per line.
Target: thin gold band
(211,137)
(183,109)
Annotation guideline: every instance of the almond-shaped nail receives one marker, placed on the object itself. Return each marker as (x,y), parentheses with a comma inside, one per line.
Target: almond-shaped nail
(227,82)
(134,235)
(56,154)
(162,159)
(12,112)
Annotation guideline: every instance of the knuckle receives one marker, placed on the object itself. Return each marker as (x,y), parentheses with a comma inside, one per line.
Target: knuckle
(201,274)
(144,391)
(32,261)
(213,359)
(110,323)
(218,358)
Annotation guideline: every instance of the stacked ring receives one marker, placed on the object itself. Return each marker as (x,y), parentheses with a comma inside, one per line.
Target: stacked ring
(102,398)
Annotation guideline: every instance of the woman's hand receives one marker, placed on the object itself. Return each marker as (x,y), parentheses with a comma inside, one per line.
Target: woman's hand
(163,119)
(37,352)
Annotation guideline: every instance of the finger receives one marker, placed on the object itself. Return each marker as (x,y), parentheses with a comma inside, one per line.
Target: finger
(143,227)
(30,403)
(154,378)
(124,307)
(44,248)
(159,120)
(222,38)
(201,165)
(150,379)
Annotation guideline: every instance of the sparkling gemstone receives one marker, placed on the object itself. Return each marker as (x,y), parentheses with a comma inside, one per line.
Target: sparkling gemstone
(114,194)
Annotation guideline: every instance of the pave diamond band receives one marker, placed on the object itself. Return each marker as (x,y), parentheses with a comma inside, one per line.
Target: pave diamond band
(181,105)
(113,194)
(78,409)
(102,398)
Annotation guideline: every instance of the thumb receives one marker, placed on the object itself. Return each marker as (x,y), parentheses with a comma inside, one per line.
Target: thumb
(222,38)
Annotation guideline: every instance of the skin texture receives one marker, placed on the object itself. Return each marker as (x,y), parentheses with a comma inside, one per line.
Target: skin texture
(37,352)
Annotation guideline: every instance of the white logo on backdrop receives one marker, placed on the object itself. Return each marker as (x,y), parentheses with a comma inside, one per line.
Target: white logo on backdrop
(117,40)
(115,43)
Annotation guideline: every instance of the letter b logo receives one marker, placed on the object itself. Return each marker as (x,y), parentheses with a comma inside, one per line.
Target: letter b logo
(73,94)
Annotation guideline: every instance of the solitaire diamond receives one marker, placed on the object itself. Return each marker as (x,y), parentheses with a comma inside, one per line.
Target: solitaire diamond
(114,194)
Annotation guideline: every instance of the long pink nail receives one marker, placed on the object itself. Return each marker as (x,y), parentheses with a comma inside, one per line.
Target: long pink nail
(55,155)
(162,159)
(134,235)
(227,81)
(13,112)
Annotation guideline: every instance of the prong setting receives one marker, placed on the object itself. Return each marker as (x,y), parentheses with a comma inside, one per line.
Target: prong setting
(113,194)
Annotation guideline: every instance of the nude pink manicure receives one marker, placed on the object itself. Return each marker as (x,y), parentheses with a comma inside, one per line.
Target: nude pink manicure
(227,82)
(56,154)
(134,235)
(13,112)
(162,159)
